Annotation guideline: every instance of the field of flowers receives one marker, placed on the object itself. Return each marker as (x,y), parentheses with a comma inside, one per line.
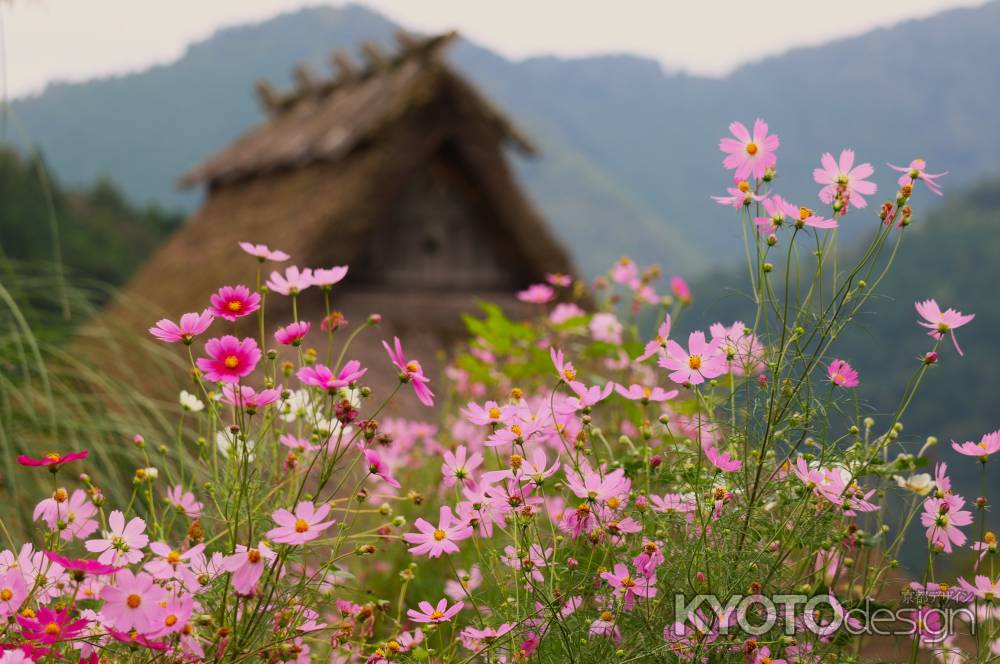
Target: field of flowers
(585,491)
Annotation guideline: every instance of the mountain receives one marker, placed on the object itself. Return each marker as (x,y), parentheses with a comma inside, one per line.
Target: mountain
(627,148)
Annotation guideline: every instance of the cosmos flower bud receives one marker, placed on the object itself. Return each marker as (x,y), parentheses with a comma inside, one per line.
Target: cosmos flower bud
(374,319)
(930,357)
(772,240)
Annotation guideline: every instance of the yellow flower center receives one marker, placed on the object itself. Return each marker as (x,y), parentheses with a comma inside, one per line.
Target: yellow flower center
(61,495)
(805,213)
(613,502)
(569,375)
(232,362)
(439,534)
(173,558)
(52,629)
(27,613)
(695,362)
(607,616)
(751,149)
(516,430)
(990,537)
(413,366)
(53,456)
(170,620)
(627,582)
(437,615)
(743,186)
(234,305)
(253,555)
(515,460)
(394,646)
(301,525)
(494,413)
(133,601)
(6,594)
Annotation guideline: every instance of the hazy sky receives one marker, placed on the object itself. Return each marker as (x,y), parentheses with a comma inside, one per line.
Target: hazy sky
(78,39)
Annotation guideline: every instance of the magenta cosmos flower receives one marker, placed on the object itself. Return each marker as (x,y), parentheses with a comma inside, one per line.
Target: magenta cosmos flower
(53,460)
(917,171)
(843,374)
(50,626)
(429,613)
(537,294)
(322,376)
(722,460)
(780,212)
(681,290)
(293,333)
(749,154)
(325,278)
(410,371)
(133,602)
(229,358)
(303,526)
(435,540)
(990,444)
(263,253)
(844,178)
(379,468)
(941,323)
(190,326)
(701,361)
(234,302)
(292,282)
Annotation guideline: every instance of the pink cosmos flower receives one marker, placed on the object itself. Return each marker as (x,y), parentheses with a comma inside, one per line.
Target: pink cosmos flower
(92,567)
(681,290)
(590,485)
(247,566)
(292,334)
(645,394)
(658,343)
(13,590)
(566,371)
(54,460)
(184,501)
(133,602)
(263,253)
(72,515)
(588,396)
(293,282)
(942,518)
(533,468)
(917,171)
(985,447)
(941,323)
(749,155)
(984,588)
(649,558)
(379,468)
(175,616)
(624,271)
(229,359)
(247,398)
(50,626)
(846,179)
(325,278)
(537,294)
(606,327)
(843,374)
(673,502)
(489,413)
(743,352)
(435,614)
(434,541)
(723,461)
(557,279)
(606,626)
(171,564)
(190,326)
(410,371)
(123,543)
(234,302)
(627,587)
(701,361)
(531,562)
(304,525)
(742,195)
(780,211)
(565,311)
(321,376)
(466,583)
(458,466)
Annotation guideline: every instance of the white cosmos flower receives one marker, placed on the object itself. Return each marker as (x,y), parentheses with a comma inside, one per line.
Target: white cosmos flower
(190,402)
(226,441)
(920,484)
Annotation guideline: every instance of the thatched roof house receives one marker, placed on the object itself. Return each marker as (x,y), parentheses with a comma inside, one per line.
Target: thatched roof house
(396,168)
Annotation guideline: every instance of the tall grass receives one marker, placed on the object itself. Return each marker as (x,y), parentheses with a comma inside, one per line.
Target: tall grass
(65,385)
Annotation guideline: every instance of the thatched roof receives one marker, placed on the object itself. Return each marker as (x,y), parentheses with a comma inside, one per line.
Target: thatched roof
(326,119)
